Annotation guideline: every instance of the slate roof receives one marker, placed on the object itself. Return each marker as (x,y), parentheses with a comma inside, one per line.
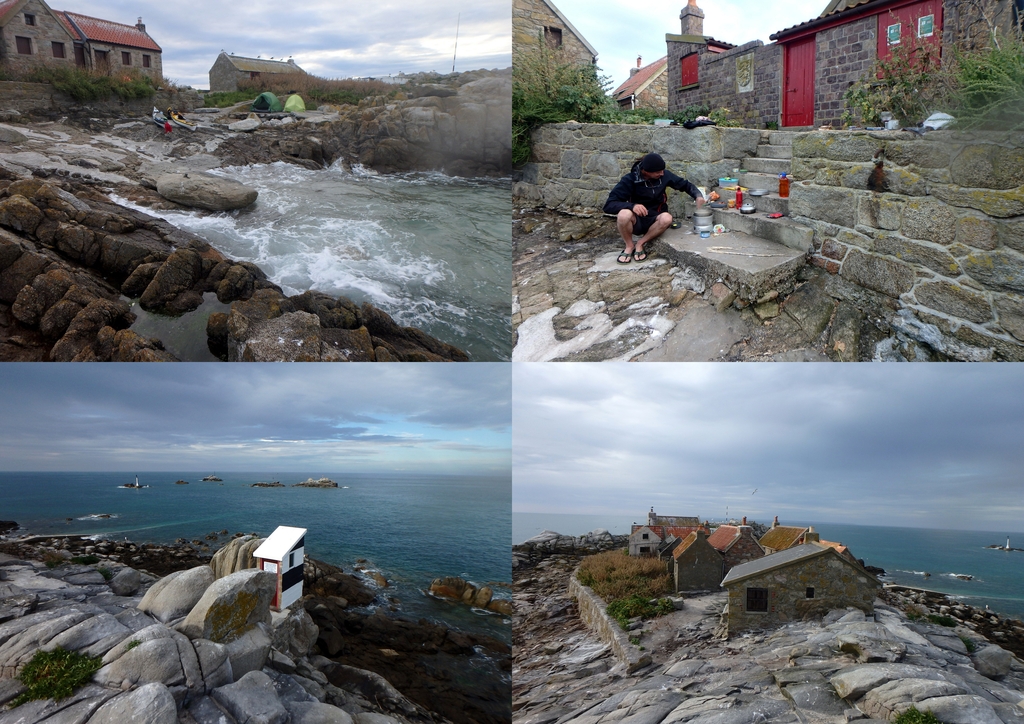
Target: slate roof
(107,31)
(775,560)
(279,543)
(641,79)
(260,65)
(781,537)
(833,9)
(686,521)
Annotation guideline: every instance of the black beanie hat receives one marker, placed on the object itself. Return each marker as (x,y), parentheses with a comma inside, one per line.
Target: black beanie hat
(652,163)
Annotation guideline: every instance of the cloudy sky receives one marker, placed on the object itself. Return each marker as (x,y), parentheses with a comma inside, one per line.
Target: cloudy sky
(242,417)
(327,38)
(621,31)
(907,445)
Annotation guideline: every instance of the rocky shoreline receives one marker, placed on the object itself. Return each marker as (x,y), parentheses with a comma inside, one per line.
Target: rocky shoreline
(73,263)
(845,667)
(346,648)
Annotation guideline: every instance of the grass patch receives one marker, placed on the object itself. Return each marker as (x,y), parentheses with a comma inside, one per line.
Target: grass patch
(52,559)
(226,99)
(913,716)
(55,675)
(614,575)
(132,644)
(85,560)
(942,620)
(106,573)
(969,644)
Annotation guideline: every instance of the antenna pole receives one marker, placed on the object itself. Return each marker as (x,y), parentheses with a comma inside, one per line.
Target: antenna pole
(457,20)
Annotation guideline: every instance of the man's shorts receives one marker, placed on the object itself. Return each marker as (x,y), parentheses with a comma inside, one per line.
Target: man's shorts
(644,223)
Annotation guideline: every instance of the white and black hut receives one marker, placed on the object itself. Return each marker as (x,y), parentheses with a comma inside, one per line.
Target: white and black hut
(283,554)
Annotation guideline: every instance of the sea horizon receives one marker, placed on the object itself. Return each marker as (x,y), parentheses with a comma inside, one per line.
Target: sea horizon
(906,554)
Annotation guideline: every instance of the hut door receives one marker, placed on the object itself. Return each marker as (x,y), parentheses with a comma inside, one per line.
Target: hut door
(798,87)
(79,55)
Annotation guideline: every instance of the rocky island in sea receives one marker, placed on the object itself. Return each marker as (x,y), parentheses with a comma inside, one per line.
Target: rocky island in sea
(183,636)
(573,664)
(73,260)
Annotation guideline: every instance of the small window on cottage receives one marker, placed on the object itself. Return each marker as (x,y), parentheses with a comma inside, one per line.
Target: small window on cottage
(291,559)
(58,50)
(810,592)
(645,536)
(757,600)
(126,58)
(553,37)
(24,45)
(645,549)
(146,62)
(253,75)
(30,19)
(689,69)
(892,33)
(926,26)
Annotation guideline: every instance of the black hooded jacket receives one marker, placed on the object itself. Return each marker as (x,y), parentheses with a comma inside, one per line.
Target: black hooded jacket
(634,189)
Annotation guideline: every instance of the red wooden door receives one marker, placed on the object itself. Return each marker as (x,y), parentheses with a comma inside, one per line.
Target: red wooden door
(915,25)
(798,84)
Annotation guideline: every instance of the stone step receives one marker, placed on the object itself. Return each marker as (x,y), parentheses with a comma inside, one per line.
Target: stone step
(750,266)
(768,165)
(783,231)
(768,151)
(768,181)
(782,138)
(770,204)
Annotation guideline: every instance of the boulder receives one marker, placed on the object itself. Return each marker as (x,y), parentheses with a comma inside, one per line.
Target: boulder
(993,662)
(962,709)
(235,556)
(246,125)
(231,606)
(149,704)
(172,281)
(293,632)
(175,595)
(148,656)
(11,135)
(88,632)
(318,713)
(252,700)
(249,651)
(205,191)
(213,663)
(126,582)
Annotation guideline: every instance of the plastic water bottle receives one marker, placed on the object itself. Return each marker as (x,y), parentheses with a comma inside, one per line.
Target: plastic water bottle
(783,186)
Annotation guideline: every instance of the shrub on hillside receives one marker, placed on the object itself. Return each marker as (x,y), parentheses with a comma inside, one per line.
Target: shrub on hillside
(614,575)
(84,85)
(55,675)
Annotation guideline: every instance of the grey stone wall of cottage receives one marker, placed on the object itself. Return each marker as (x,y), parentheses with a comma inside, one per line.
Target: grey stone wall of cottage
(698,568)
(530,17)
(836,585)
(744,550)
(46,30)
(943,240)
(575,165)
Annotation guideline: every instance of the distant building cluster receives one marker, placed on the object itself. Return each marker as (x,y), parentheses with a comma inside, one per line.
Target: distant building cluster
(785,575)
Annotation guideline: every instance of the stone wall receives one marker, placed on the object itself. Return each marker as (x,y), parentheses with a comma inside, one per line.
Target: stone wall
(47,29)
(592,613)
(699,567)
(719,87)
(575,165)
(939,249)
(43,100)
(655,95)
(844,54)
(530,17)
(742,551)
(836,583)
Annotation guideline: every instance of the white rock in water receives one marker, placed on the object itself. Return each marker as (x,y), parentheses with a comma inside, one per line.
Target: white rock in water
(248,125)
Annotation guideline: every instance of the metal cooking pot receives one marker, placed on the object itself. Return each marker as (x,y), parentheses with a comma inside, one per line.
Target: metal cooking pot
(703,220)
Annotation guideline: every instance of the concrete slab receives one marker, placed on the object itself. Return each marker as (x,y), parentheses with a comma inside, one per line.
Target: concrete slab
(768,151)
(782,231)
(750,266)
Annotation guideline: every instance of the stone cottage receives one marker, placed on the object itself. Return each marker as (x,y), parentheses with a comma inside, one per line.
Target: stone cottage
(677,521)
(736,544)
(540,19)
(656,540)
(32,35)
(799,81)
(228,70)
(804,581)
(697,566)
(647,87)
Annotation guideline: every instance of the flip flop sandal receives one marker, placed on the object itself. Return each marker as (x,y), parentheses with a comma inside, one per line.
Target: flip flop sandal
(640,255)
(625,257)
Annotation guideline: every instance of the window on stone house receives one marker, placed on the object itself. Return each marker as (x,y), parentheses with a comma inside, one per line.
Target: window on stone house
(253,75)
(553,37)
(645,536)
(58,49)
(24,45)
(689,69)
(126,58)
(645,549)
(146,61)
(810,592)
(30,19)
(757,600)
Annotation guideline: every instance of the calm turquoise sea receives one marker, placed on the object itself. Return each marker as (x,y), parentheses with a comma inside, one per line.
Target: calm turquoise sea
(906,554)
(414,528)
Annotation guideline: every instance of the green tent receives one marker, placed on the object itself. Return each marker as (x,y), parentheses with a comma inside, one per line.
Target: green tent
(267,102)
(294,104)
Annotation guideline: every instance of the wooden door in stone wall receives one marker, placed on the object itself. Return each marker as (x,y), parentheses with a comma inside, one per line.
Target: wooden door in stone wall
(798,83)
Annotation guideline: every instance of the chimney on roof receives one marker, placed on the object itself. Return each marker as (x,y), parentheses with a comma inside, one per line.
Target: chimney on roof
(811,535)
(141,26)
(744,520)
(692,19)
(634,71)
(291,61)
(775,523)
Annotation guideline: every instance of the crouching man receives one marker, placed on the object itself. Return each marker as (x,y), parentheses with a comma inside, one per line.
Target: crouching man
(640,204)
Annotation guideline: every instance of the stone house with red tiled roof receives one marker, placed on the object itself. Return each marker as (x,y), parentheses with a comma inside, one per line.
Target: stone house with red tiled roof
(696,564)
(736,543)
(647,87)
(32,34)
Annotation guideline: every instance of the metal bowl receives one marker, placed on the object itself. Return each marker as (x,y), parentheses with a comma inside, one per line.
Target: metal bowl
(758,192)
